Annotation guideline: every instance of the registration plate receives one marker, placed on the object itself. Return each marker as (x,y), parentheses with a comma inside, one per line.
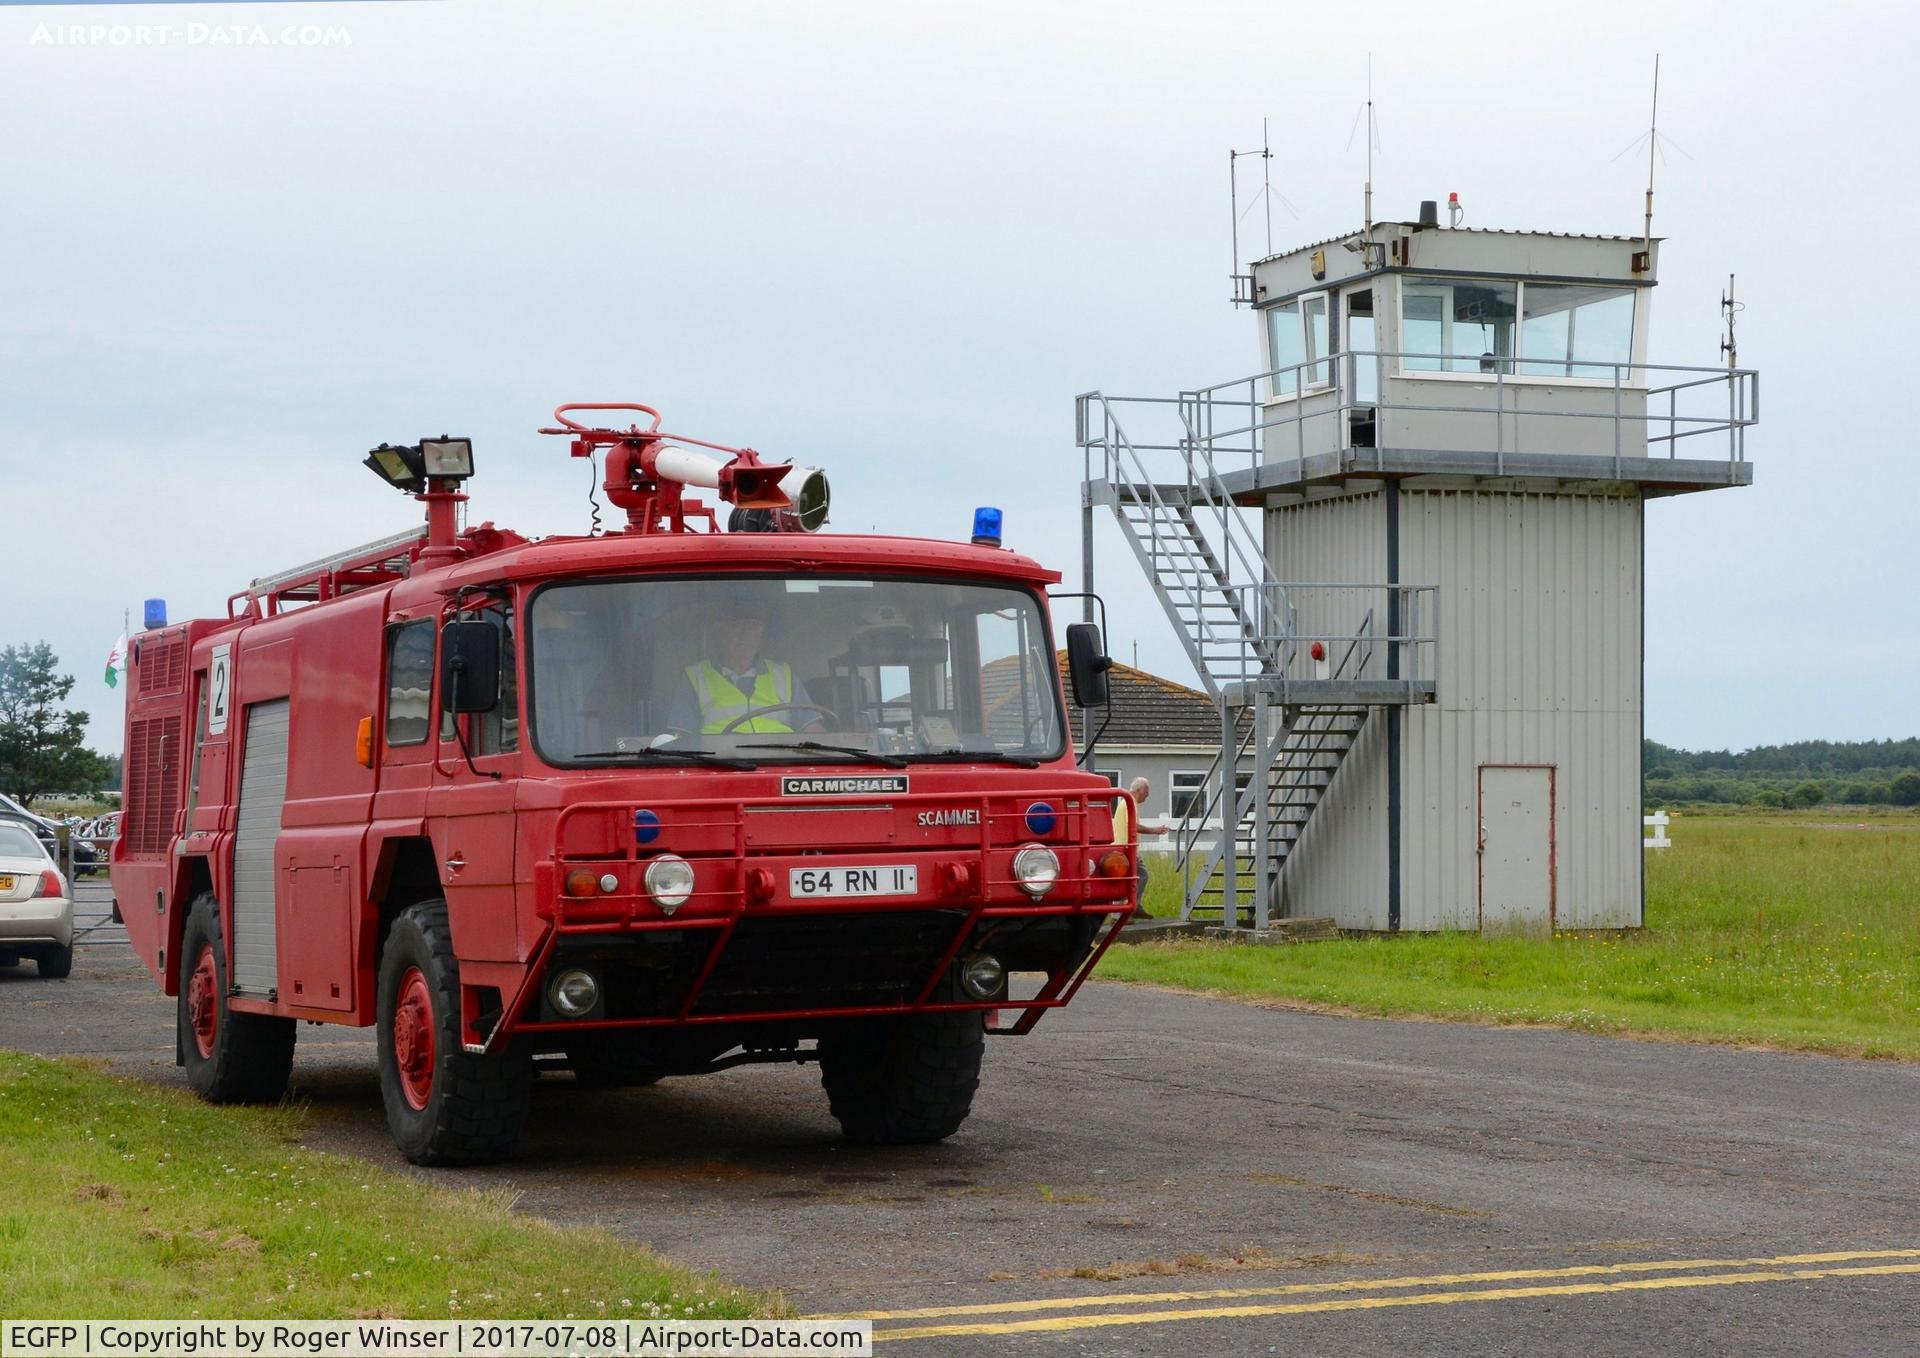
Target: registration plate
(885,880)
(6,883)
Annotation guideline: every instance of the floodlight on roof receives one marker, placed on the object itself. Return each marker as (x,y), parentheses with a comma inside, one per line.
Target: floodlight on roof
(402,468)
(447,457)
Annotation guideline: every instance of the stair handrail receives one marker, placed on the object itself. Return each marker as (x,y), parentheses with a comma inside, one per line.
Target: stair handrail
(1126,471)
(1204,480)
(1113,440)
(1187,831)
(1195,887)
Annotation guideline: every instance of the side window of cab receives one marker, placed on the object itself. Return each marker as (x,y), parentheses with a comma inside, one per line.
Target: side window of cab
(409,682)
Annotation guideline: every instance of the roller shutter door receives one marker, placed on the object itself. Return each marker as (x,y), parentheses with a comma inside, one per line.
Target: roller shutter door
(263,791)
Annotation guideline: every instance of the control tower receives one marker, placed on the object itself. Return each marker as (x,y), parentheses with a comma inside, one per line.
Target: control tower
(1407,560)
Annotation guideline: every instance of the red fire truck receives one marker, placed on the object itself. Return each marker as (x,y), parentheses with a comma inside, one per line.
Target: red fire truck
(653,801)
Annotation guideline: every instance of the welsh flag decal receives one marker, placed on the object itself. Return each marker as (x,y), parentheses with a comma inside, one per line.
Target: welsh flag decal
(117,662)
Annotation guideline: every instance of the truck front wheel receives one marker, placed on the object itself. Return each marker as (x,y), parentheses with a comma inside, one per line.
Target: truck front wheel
(445,1105)
(902,1081)
(229,1057)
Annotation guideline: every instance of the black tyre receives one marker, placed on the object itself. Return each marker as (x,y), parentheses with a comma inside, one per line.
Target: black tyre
(56,964)
(902,1081)
(229,1057)
(445,1105)
(9,959)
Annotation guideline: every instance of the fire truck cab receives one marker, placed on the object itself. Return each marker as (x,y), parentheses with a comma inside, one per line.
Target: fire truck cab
(650,802)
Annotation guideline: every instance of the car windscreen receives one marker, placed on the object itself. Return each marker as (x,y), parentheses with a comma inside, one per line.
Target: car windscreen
(16,841)
(751,667)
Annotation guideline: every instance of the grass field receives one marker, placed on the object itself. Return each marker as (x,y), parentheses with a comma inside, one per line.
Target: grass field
(1794,931)
(123,1201)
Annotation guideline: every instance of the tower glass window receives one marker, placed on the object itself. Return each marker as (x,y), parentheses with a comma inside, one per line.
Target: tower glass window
(1459,325)
(1456,325)
(1297,334)
(1575,331)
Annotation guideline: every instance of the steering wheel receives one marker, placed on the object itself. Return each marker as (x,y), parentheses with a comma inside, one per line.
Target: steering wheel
(753,712)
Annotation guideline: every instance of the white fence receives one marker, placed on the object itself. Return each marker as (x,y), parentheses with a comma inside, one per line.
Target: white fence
(1657,823)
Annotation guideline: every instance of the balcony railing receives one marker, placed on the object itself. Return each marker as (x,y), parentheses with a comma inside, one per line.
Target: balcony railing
(1630,410)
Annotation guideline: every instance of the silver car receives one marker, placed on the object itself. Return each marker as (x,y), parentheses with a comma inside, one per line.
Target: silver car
(36,909)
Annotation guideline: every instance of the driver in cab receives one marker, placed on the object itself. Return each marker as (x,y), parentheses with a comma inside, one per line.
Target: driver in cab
(735,680)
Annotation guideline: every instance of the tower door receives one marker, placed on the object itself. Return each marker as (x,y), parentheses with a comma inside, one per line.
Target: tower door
(263,792)
(1516,845)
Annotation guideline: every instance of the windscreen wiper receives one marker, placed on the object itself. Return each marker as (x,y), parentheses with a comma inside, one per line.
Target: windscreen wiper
(890,761)
(662,753)
(977,756)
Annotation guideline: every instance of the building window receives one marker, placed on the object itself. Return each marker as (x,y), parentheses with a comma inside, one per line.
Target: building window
(1111,775)
(1188,793)
(1297,334)
(1563,330)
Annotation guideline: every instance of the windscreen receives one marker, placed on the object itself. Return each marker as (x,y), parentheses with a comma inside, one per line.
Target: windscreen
(754,667)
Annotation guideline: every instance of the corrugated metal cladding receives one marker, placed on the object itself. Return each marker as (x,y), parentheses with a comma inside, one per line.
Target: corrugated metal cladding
(1539,663)
(263,792)
(1339,867)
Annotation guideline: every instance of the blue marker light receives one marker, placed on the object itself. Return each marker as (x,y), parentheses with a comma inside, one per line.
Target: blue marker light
(1040,818)
(157,608)
(986,526)
(646,827)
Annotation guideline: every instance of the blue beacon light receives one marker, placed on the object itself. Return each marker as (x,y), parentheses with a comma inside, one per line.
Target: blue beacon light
(986,526)
(1040,818)
(646,826)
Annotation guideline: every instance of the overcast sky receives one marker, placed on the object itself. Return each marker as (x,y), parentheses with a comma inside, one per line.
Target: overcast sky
(894,240)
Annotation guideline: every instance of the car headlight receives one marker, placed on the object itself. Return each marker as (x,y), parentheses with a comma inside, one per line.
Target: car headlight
(1036,869)
(573,992)
(669,880)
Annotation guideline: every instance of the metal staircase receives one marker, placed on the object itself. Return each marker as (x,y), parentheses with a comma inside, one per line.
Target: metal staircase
(1292,703)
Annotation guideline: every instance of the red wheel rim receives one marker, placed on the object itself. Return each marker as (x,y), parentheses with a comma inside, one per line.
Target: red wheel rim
(203,1003)
(413,1038)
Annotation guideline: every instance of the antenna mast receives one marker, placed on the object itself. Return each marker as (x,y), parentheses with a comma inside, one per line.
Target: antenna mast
(1645,262)
(1233,206)
(1368,229)
(1729,346)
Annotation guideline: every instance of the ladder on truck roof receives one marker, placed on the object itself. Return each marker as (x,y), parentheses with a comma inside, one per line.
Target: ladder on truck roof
(379,562)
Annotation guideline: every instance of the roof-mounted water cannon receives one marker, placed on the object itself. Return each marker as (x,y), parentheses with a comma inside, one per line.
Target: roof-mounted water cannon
(648,469)
(431,471)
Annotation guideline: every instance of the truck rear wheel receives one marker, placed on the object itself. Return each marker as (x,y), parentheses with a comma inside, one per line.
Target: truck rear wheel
(445,1105)
(229,1057)
(903,1081)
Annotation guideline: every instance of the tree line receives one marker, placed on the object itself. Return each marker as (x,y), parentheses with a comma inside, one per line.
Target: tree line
(1803,773)
(43,745)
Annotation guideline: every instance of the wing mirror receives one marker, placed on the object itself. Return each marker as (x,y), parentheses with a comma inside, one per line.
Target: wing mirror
(470,666)
(1087,664)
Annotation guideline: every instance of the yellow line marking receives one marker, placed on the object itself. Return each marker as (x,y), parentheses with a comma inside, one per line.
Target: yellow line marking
(1367,1284)
(1377,1303)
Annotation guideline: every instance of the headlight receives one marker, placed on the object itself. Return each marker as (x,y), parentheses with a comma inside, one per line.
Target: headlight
(1036,869)
(981,976)
(573,992)
(669,880)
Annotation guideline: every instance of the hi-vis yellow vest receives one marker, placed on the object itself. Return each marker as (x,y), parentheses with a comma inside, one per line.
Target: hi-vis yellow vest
(722,702)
